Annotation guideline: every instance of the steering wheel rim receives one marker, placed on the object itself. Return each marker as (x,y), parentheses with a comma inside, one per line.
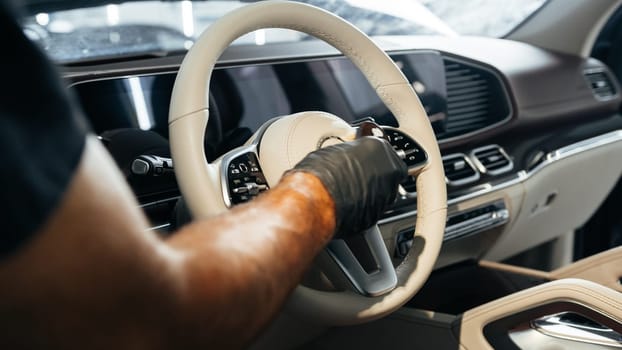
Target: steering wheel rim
(200,181)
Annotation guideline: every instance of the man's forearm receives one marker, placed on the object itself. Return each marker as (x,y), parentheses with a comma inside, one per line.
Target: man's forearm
(94,277)
(241,266)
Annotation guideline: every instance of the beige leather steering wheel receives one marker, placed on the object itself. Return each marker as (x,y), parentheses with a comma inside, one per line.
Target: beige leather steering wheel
(281,143)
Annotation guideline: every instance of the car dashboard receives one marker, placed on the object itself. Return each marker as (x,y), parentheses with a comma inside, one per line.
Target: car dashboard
(521,130)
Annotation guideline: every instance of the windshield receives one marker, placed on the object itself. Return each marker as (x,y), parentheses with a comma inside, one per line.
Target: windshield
(70,33)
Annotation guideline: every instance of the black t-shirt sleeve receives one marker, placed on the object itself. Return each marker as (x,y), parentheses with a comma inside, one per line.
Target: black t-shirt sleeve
(41,137)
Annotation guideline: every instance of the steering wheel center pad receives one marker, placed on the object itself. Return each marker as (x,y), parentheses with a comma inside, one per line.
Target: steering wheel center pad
(291,138)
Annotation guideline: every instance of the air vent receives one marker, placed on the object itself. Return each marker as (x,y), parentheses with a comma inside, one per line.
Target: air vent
(476,99)
(492,160)
(600,84)
(459,170)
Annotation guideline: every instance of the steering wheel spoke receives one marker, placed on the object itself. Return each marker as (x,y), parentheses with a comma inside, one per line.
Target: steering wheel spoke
(365,262)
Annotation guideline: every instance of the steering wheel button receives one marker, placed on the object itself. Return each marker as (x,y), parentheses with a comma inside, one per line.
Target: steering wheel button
(400,153)
(244,178)
(415,159)
(240,190)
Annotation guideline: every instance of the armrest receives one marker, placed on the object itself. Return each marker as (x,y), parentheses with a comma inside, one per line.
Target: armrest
(604,268)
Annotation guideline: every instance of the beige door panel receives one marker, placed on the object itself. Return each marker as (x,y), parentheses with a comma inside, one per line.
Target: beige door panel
(596,301)
(590,285)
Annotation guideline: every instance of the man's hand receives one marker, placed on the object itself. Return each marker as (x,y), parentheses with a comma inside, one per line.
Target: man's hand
(362,178)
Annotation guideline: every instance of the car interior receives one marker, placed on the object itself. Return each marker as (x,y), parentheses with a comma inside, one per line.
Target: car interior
(513,145)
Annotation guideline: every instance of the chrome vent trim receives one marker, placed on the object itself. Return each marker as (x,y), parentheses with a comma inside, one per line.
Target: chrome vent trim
(492,160)
(600,83)
(459,170)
